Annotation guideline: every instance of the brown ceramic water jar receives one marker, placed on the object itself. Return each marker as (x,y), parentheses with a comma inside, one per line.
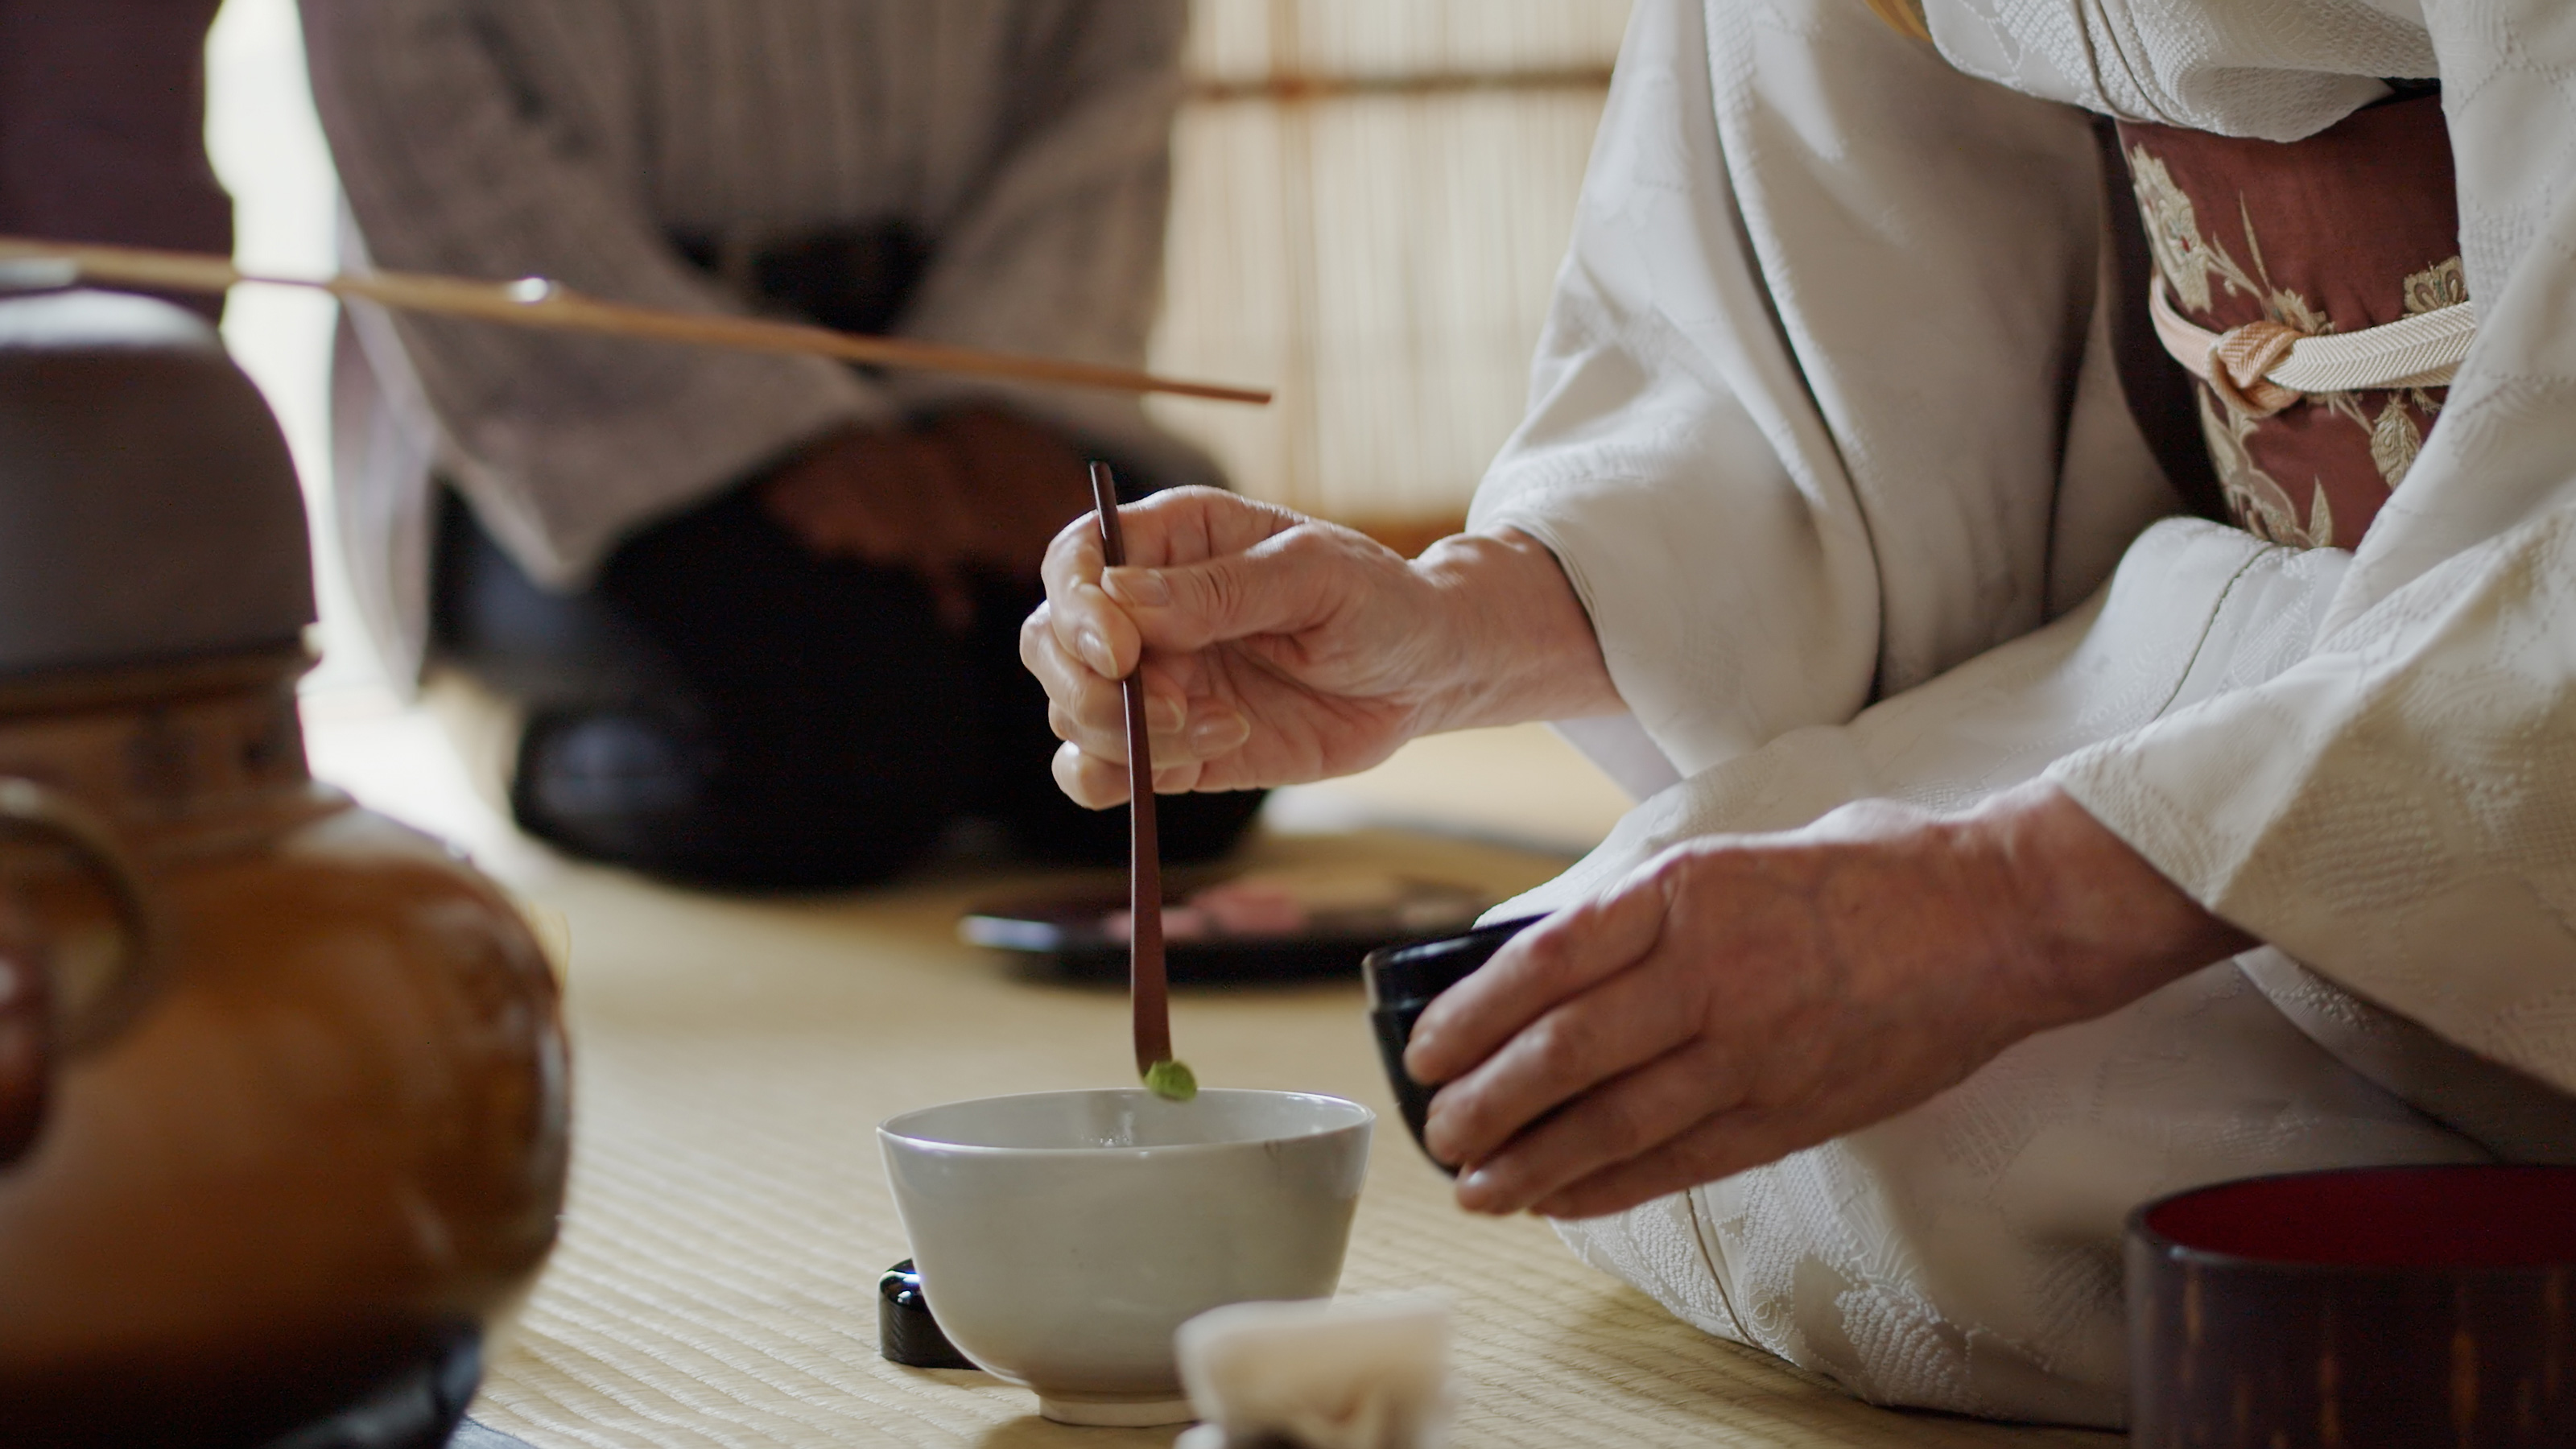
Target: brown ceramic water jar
(282,1083)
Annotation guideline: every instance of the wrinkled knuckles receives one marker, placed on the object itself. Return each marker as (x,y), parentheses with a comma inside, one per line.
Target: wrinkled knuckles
(1037,631)
(1676,871)
(1563,1048)
(1444,1137)
(1427,1059)
(1215,594)
(1103,785)
(1100,717)
(1549,960)
(1069,539)
(1620,1126)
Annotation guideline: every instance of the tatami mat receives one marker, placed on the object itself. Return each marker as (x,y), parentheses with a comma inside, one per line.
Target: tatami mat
(1520,785)
(716,1279)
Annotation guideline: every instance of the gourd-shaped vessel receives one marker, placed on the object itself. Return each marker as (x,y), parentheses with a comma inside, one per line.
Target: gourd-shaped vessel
(282,1083)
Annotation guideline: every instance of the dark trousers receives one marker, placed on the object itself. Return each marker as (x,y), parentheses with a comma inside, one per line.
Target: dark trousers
(724,708)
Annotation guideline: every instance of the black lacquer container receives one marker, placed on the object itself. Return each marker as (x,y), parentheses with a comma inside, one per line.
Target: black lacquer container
(2371,1308)
(1402,980)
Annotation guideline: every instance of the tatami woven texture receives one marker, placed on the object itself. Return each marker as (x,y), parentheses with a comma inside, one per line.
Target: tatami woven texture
(729,1218)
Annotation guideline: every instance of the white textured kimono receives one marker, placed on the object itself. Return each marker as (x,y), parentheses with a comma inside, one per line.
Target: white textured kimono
(1826,433)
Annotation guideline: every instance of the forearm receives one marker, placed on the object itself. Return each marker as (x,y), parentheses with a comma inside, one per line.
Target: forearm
(1523,648)
(1741,997)
(2094,926)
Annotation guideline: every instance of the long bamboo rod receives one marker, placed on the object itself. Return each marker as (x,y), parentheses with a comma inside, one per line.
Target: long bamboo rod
(1294,87)
(537,302)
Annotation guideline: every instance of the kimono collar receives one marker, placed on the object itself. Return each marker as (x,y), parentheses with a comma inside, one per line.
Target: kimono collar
(2278,72)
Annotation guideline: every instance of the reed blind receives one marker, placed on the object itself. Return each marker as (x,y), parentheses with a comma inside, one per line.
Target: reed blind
(1370,201)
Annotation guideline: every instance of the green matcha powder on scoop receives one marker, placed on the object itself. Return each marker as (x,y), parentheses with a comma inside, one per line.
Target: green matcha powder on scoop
(1171,1080)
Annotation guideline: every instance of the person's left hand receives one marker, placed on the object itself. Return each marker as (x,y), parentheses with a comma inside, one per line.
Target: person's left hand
(1742,997)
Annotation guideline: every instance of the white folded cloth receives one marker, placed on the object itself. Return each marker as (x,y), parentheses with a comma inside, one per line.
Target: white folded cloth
(1319,1375)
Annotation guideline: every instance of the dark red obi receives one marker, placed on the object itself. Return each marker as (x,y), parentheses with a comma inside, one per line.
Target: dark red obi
(2354,227)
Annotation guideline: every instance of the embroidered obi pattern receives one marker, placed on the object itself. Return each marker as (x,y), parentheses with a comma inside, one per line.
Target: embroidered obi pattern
(2354,227)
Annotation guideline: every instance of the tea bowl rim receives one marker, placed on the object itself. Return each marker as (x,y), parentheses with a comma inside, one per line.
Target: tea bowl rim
(891,1131)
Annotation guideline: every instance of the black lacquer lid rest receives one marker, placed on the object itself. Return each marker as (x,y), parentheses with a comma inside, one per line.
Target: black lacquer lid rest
(906,1333)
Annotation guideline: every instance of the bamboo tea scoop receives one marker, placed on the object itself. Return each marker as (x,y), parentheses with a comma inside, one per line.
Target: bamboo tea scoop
(537,302)
(1147,989)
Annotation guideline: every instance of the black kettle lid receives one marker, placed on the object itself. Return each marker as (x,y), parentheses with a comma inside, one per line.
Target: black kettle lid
(148,505)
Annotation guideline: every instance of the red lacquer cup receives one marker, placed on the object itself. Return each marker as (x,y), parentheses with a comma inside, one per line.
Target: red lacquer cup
(2398,1306)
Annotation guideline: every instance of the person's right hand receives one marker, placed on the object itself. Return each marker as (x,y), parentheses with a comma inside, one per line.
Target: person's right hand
(976,489)
(892,497)
(1279,649)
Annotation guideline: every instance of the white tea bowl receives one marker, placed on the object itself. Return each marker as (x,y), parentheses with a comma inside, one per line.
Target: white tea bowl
(1063,1236)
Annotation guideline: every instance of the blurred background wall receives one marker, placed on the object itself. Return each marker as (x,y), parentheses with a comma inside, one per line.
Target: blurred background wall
(1370,201)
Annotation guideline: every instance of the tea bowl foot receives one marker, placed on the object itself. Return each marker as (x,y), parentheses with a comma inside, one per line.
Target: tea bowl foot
(1124,1411)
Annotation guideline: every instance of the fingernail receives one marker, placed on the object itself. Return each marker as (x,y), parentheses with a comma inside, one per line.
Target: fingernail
(1143,588)
(1419,1050)
(1164,716)
(1095,652)
(1483,1183)
(1218,734)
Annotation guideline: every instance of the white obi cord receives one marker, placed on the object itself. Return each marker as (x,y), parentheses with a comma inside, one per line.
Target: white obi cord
(2424,350)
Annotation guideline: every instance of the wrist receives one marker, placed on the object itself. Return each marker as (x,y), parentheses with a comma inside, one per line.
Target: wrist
(2089,925)
(1515,640)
